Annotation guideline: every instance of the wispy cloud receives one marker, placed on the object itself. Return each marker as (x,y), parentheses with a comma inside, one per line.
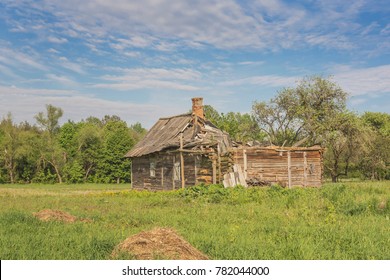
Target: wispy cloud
(57,40)
(159,78)
(19,60)
(265,80)
(365,81)
(166,25)
(76,106)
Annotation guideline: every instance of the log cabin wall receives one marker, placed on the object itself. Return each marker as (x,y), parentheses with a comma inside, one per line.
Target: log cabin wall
(285,166)
(162,171)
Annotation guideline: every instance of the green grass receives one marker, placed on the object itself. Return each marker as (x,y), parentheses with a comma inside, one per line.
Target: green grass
(338,221)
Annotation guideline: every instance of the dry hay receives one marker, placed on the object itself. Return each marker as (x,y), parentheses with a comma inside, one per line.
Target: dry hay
(55,215)
(159,243)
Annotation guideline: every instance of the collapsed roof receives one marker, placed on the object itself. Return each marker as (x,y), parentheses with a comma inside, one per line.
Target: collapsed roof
(197,134)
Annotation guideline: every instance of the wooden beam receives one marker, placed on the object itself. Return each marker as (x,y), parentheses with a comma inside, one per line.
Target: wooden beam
(214,170)
(173,172)
(289,168)
(162,177)
(182,162)
(245,164)
(131,175)
(219,165)
(304,169)
(196,170)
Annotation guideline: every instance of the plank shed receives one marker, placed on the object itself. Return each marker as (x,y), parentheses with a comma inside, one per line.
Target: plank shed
(187,150)
(287,166)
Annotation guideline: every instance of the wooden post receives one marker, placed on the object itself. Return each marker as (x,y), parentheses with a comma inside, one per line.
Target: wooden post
(182,161)
(196,170)
(289,168)
(214,170)
(173,172)
(131,175)
(304,169)
(162,177)
(245,164)
(219,165)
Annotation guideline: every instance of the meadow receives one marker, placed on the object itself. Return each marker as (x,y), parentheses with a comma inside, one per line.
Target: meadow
(337,221)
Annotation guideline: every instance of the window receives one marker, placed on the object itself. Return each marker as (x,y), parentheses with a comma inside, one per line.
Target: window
(176,171)
(152,168)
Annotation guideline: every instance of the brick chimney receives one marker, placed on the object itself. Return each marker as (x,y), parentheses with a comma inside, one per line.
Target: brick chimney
(197,107)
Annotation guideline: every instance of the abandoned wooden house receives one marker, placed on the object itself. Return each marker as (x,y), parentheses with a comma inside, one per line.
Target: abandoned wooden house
(187,150)
(180,151)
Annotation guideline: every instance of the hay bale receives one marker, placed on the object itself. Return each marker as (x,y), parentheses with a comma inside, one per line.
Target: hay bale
(159,243)
(55,215)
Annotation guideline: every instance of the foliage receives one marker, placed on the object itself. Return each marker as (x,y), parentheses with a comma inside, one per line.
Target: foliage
(240,127)
(375,162)
(75,152)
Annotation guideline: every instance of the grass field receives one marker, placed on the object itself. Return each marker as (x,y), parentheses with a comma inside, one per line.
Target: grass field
(338,221)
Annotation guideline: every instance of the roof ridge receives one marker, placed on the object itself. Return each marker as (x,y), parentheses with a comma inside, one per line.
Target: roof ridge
(171,117)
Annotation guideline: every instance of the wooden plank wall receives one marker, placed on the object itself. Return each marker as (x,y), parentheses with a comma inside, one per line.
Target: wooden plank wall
(305,166)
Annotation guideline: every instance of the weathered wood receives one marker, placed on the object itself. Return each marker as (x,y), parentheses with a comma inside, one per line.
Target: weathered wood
(182,162)
(289,168)
(245,164)
(271,164)
(214,170)
(304,168)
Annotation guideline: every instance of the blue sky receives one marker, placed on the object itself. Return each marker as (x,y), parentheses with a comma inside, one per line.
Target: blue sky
(142,60)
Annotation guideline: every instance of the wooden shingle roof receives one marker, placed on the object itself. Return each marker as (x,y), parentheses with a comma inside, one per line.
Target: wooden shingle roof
(165,134)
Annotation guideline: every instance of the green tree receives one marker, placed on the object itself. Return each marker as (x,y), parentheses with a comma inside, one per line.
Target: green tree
(9,143)
(279,118)
(89,148)
(240,127)
(375,162)
(344,143)
(28,153)
(51,150)
(117,140)
(49,121)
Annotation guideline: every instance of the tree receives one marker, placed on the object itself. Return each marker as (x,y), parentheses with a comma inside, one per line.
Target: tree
(319,102)
(344,142)
(241,127)
(279,119)
(375,162)
(89,148)
(50,121)
(117,140)
(9,143)
(307,111)
(51,150)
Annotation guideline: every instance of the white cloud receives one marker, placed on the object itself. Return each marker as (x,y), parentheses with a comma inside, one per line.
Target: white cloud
(365,81)
(265,80)
(19,60)
(25,103)
(62,80)
(147,78)
(167,25)
(75,67)
(56,40)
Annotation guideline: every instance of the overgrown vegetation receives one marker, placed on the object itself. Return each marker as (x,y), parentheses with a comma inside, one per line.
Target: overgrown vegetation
(337,221)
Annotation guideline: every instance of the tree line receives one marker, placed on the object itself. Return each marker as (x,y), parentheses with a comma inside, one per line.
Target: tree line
(91,150)
(312,113)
